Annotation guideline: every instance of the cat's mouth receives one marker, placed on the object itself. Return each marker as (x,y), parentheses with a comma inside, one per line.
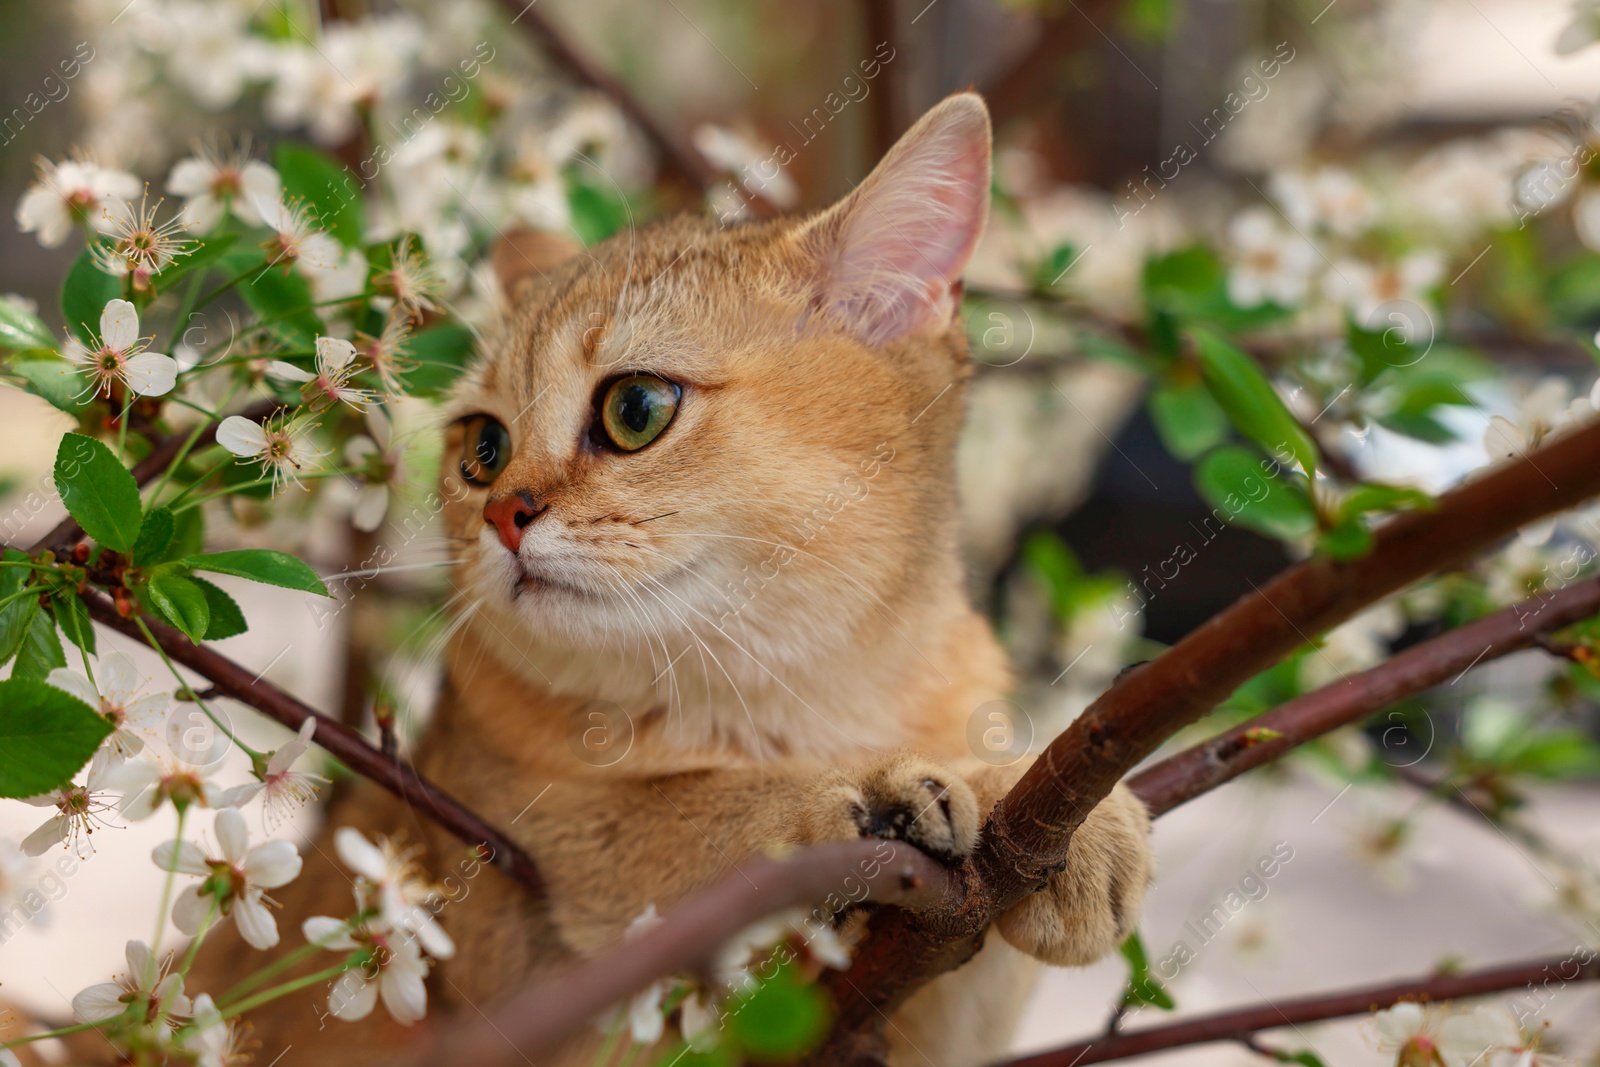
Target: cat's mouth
(529,581)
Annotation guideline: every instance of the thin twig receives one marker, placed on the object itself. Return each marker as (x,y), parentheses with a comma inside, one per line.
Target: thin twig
(232,680)
(1581,966)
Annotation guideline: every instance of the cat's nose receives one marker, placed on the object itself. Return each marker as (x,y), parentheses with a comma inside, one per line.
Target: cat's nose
(510,514)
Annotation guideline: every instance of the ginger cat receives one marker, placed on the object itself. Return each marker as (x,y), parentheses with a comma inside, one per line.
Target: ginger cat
(703,487)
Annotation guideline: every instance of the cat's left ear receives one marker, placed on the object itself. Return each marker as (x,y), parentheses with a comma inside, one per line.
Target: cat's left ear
(886,261)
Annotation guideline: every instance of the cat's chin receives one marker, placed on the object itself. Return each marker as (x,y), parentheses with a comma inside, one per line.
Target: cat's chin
(537,584)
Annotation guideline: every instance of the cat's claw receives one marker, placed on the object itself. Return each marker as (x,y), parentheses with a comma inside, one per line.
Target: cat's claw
(902,798)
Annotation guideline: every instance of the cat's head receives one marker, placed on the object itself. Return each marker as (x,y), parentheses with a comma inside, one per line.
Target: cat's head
(738,433)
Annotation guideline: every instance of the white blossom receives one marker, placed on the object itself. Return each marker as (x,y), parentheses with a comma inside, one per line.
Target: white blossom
(398,887)
(298,240)
(119,355)
(282,789)
(1583,30)
(1329,198)
(71,192)
(107,1000)
(380,458)
(145,784)
(78,810)
(235,879)
(115,697)
(214,1041)
(394,969)
(281,446)
(1271,263)
(1366,290)
(331,383)
(215,183)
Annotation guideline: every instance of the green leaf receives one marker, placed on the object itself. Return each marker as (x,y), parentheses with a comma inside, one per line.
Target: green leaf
(205,255)
(46,736)
(261,565)
(226,618)
(1252,404)
(1142,988)
(1368,498)
(98,491)
(1187,419)
(1048,272)
(15,616)
(282,298)
(85,294)
(41,650)
(73,619)
(54,379)
(1234,481)
(22,330)
(1149,20)
(1346,540)
(597,212)
(441,353)
(327,185)
(190,536)
(155,537)
(182,603)
(782,1019)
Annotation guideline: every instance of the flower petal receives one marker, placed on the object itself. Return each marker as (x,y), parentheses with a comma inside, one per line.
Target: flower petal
(76,684)
(119,325)
(189,911)
(241,436)
(328,932)
(151,373)
(99,1002)
(353,997)
(271,865)
(359,854)
(372,504)
(404,993)
(288,372)
(189,857)
(256,924)
(232,835)
(46,837)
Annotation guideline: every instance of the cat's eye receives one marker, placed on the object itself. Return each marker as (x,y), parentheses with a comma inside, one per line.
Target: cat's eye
(636,409)
(485,448)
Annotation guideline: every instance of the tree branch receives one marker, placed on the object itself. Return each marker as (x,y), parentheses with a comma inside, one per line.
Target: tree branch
(534,1022)
(680,157)
(1234,1025)
(231,680)
(1207,765)
(1025,840)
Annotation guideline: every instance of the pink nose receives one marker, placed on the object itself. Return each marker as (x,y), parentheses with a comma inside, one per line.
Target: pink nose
(510,514)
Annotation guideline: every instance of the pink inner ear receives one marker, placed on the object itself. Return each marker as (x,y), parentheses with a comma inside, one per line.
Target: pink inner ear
(910,228)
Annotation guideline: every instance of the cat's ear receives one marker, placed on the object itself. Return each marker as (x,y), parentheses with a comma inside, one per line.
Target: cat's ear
(522,257)
(887,259)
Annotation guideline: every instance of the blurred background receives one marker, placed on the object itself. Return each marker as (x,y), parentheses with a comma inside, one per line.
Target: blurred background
(1418,139)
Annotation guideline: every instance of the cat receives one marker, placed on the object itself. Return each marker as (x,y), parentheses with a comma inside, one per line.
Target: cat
(712,601)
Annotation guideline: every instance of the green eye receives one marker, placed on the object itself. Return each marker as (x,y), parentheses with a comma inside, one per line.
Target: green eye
(485,449)
(636,409)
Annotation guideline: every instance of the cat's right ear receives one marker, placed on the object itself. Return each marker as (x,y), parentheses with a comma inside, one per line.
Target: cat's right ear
(523,257)
(886,261)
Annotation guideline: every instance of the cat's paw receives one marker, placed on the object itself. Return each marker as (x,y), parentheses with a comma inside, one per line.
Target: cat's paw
(1086,910)
(904,797)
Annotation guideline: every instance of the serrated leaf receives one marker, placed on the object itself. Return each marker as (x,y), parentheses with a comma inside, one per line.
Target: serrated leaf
(46,736)
(182,603)
(1251,403)
(1187,419)
(189,537)
(15,616)
(155,537)
(226,618)
(21,329)
(333,192)
(261,565)
(54,379)
(72,617)
(1233,481)
(41,651)
(98,491)
(85,294)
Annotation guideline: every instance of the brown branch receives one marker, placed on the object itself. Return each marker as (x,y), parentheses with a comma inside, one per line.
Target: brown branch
(679,156)
(67,532)
(1234,1025)
(534,1022)
(1207,765)
(232,680)
(1025,840)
